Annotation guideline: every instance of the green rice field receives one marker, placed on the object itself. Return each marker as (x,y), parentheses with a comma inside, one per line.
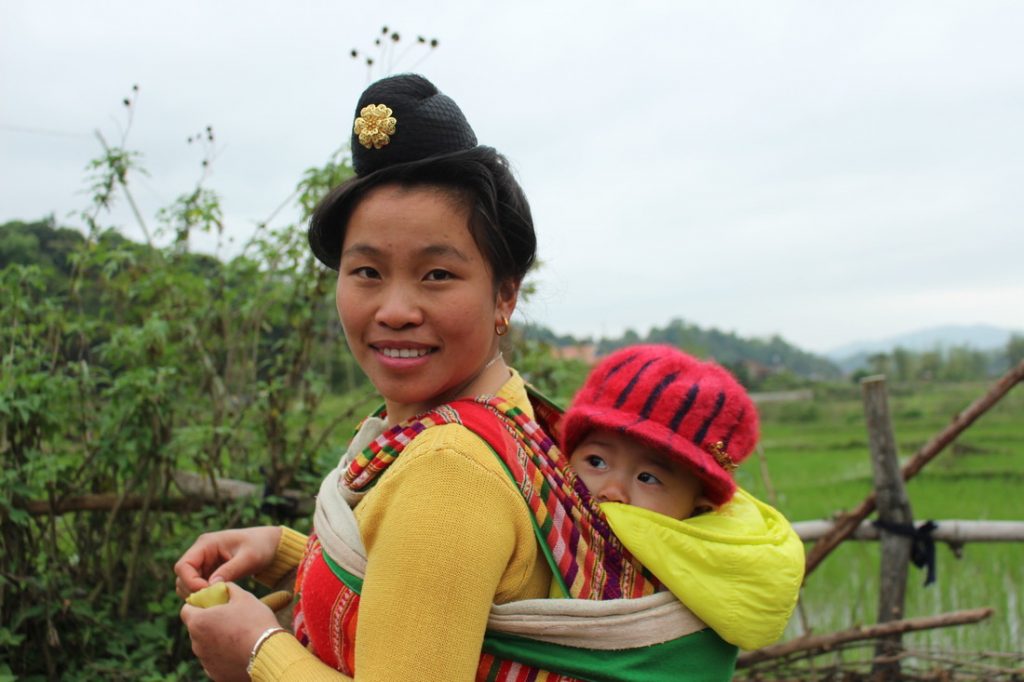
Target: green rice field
(817,459)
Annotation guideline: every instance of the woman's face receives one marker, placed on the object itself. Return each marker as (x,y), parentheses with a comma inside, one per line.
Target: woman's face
(417,299)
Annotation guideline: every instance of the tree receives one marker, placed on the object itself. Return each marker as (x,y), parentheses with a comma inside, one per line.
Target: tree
(903,363)
(929,365)
(963,363)
(39,242)
(1015,349)
(879,363)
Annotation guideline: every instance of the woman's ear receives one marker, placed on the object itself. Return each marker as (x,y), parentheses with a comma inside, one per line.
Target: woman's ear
(508,296)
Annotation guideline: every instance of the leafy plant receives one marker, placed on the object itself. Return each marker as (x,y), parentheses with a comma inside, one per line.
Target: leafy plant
(131,364)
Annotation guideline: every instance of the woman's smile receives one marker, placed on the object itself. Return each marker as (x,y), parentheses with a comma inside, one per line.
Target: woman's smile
(400,355)
(403,353)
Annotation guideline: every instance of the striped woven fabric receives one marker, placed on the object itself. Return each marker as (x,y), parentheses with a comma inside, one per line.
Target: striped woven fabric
(494,669)
(592,563)
(368,464)
(328,611)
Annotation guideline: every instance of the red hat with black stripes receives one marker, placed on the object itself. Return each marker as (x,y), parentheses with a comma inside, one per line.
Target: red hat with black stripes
(693,411)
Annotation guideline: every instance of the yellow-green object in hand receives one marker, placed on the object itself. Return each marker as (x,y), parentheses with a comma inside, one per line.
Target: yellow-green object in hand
(214,595)
(277,600)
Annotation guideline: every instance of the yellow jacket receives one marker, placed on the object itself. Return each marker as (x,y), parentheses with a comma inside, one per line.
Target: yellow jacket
(738,568)
(447,534)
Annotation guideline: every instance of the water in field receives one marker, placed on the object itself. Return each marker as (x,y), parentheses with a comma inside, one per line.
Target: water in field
(843,592)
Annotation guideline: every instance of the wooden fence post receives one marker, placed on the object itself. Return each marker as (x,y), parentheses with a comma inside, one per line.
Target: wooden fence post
(849,521)
(893,507)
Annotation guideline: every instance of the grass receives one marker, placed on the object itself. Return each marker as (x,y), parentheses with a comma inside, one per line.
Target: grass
(818,463)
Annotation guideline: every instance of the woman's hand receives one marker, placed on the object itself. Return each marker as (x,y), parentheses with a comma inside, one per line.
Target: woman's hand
(225,555)
(223,636)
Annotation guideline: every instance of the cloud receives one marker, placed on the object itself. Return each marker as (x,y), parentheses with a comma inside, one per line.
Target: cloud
(818,170)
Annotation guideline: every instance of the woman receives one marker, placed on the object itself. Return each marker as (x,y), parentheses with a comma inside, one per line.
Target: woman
(431,241)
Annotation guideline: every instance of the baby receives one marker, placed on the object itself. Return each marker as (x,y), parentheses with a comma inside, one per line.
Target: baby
(660,432)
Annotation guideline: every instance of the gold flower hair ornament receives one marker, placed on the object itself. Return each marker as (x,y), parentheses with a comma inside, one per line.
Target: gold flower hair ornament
(717,450)
(375,125)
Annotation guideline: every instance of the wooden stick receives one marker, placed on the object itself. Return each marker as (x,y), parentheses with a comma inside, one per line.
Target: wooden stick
(848,522)
(766,478)
(196,491)
(106,502)
(826,642)
(975,665)
(893,507)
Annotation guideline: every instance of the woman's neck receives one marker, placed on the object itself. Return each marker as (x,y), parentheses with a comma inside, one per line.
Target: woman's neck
(488,381)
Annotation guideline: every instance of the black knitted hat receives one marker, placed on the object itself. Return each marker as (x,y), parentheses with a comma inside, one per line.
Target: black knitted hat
(405,118)
(398,120)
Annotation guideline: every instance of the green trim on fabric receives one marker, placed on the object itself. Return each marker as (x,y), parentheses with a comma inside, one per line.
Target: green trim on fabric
(556,574)
(700,657)
(351,581)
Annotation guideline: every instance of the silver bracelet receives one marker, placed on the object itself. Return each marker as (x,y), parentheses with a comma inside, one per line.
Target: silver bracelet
(264,636)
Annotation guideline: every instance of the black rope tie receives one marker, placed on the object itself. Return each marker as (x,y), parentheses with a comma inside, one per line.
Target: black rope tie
(922,548)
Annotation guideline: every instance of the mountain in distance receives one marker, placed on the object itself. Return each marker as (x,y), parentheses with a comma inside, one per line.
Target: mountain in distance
(981,337)
(747,356)
(977,336)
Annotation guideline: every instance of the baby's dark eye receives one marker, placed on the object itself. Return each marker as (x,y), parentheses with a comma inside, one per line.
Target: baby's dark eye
(648,478)
(438,275)
(595,461)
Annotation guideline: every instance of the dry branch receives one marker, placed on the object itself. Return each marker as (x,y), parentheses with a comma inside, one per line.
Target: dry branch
(957,662)
(924,665)
(832,640)
(196,491)
(847,523)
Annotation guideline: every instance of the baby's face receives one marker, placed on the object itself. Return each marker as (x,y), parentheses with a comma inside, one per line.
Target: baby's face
(616,468)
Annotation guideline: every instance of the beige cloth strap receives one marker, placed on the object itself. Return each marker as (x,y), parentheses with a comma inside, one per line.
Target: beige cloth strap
(606,625)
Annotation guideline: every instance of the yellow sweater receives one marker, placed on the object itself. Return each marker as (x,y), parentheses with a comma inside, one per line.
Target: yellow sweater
(447,534)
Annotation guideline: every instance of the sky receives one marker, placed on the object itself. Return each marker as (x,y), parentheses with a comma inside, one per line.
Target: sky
(826,171)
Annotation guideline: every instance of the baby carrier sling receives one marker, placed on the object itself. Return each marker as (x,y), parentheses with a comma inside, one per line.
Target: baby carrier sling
(617,626)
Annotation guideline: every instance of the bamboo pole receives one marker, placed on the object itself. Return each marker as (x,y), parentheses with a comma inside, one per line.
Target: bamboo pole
(849,521)
(834,639)
(953,531)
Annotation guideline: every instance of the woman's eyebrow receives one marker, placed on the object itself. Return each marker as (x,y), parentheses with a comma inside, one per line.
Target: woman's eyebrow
(361,250)
(443,250)
(432,250)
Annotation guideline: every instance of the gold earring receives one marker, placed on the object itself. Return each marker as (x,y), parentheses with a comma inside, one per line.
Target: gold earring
(501,328)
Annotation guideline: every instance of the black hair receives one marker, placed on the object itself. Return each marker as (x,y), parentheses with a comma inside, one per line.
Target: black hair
(500,218)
